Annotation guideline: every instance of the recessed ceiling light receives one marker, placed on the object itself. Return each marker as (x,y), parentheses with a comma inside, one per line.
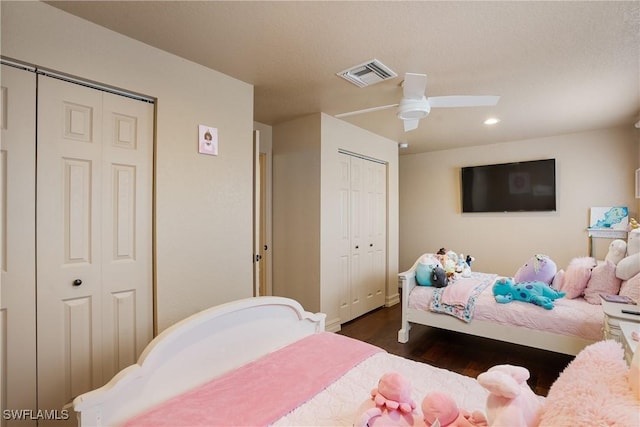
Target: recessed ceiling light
(403,145)
(491,121)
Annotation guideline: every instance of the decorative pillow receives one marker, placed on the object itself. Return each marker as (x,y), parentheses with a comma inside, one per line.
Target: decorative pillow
(603,280)
(628,267)
(425,267)
(539,268)
(631,288)
(576,276)
(593,390)
(557,280)
(633,242)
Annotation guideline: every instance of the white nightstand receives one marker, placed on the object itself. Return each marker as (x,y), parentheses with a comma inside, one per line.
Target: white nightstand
(613,316)
(629,344)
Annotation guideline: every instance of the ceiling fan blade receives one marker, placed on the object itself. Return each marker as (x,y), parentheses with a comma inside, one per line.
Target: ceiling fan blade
(366,110)
(411,124)
(414,85)
(462,101)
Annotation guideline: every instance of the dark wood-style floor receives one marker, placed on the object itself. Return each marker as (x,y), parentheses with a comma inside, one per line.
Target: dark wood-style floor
(464,354)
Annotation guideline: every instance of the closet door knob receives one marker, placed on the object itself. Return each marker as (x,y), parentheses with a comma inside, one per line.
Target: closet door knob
(77,282)
(357,247)
(370,245)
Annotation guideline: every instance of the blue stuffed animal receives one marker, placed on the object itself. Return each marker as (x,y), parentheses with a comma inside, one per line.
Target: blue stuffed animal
(538,293)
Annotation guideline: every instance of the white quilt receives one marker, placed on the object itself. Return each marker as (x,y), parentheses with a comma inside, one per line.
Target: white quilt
(338,403)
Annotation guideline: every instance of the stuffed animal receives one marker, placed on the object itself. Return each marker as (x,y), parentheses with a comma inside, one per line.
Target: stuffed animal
(617,251)
(574,280)
(469,260)
(439,409)
(538,293)
(539,268)
(439,278)
(390,404)
(629,266)
(424,269)
(511,402)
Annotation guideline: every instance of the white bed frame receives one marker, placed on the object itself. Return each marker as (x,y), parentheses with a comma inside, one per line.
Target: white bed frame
(195,350)
(513,334)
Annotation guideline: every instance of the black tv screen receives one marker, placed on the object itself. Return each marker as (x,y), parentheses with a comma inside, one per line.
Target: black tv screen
(510,187)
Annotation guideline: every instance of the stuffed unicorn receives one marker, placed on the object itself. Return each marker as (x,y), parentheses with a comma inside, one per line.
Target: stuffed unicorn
(511,402)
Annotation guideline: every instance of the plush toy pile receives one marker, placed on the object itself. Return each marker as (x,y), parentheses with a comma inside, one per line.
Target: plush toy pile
(619,273)
(510,403)
(441,268)
(531,283)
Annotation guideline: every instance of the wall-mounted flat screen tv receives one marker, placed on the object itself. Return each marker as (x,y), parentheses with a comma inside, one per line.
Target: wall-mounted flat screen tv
(510,187)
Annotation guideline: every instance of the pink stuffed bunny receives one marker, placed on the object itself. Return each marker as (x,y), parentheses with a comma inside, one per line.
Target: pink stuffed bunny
(440,410)
(511,402)
(390,404)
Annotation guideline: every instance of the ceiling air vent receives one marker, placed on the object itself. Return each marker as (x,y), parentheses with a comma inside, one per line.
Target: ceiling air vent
(368,73)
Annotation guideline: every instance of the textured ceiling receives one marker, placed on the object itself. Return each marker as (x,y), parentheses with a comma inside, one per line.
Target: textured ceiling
(559,67)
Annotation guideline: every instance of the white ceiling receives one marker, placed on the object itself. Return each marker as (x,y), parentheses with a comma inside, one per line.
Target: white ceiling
(559,67)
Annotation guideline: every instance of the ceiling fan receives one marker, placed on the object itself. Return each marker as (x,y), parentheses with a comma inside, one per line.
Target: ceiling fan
(414,105)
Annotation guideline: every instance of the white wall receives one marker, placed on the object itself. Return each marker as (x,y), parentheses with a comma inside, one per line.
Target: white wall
(306,232)
(203,204)
(592,169)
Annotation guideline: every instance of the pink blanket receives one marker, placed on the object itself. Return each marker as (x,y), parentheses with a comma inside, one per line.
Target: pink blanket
(459,292)
(264,390)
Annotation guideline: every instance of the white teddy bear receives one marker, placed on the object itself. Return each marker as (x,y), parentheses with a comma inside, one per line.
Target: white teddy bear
(617,251)
(629,266)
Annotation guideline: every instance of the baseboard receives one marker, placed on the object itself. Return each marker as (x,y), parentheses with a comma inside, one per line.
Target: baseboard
(391,300)
(332,326)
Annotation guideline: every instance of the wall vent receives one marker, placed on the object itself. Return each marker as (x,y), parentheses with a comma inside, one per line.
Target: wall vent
(367,73)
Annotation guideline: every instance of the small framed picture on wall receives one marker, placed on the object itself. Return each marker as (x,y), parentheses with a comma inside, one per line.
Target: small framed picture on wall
(207,140)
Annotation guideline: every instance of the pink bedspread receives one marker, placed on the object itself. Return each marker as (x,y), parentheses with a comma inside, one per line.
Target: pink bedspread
(264,390)
(574,317)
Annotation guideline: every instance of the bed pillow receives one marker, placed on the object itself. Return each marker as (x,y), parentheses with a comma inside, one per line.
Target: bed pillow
(603,280)
(576,276)
(628,267)
(593,390)
(631,288)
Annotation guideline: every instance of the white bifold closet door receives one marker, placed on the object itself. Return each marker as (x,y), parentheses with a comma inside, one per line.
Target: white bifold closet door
(94,236)
(18,243)
(363,219)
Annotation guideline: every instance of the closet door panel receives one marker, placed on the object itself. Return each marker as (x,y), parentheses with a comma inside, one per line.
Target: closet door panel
(344,235)
(17,243)
(68,249)
(126,230)
(378,234)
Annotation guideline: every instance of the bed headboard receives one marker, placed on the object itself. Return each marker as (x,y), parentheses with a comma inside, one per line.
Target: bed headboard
(196,349)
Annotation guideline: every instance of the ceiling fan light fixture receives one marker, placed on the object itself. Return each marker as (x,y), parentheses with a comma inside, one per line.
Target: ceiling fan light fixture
(412,109)
(491,121)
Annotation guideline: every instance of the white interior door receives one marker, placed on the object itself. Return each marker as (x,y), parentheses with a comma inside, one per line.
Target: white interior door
(257,254)
(17,245)
(94,269)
